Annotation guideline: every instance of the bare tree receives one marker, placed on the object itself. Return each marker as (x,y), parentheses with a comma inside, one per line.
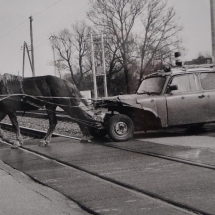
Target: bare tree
(118,18)
(62,43)
(202,58)
(157,37)
(81,44)
(160,35)
(73,49)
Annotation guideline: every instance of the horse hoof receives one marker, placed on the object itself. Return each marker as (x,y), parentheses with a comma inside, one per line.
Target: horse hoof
(21,142)
(15,145)
(85,141)
(43,143)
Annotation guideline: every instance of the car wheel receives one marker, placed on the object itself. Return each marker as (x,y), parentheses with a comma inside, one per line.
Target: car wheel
(97,132)
(120,128)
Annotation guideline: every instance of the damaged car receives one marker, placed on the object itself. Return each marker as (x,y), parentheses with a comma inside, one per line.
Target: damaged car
(177,97)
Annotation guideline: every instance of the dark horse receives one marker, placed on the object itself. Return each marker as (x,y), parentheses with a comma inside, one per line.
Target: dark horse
(17,94)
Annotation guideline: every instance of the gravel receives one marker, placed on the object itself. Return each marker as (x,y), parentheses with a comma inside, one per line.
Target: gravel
(65,128)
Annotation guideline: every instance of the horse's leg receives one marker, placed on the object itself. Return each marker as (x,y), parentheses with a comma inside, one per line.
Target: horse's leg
(81,118)
(50,109)
(85,131)
(19,140)
(2,133)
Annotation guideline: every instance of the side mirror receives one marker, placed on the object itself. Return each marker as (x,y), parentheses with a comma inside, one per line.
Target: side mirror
(173,87)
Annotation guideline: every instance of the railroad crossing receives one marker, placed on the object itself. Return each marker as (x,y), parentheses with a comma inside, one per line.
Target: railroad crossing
(135,177)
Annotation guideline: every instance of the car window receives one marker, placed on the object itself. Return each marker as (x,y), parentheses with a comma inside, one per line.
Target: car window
(207,80)
(152,85)
(185,83)
(193,82)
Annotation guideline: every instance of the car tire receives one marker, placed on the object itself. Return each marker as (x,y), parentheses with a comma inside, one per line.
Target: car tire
(97,132)
(120,128)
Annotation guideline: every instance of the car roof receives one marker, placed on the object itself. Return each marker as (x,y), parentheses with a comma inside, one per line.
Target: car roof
(192,69)
(183,70)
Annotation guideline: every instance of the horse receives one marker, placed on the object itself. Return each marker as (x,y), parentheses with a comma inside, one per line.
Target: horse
(48,92)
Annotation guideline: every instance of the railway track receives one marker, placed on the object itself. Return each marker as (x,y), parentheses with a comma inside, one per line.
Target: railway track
(166,157)
(186,208)
(28,132)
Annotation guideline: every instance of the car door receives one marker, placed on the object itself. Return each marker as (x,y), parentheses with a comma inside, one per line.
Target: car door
(207,81)
(188,104)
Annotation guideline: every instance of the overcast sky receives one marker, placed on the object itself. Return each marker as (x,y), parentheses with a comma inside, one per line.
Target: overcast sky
(50,16)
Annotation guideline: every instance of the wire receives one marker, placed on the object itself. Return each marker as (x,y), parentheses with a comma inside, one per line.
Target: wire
(40,98)
(27,19)
(68,19)
(40,44)
(83,8)
(91,123)
(46,8)
(13,29)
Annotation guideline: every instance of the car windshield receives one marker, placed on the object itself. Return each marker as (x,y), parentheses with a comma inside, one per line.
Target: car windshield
(152,85)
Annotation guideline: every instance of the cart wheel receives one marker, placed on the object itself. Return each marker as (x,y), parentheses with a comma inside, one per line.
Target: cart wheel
(97,132)
(120,128)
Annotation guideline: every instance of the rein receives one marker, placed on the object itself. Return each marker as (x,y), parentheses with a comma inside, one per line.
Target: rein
(10,96)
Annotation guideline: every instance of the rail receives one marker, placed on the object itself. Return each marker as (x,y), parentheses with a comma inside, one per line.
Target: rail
(41,114)
(114,182)
(33,132)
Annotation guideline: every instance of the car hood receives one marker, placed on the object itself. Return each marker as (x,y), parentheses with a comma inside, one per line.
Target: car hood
(125,100)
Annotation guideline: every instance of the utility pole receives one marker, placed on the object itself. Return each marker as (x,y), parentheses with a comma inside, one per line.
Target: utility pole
(23,62)
(25,48)
(104,67)
(32,47)
(212,7)
(97,70)
(93,67)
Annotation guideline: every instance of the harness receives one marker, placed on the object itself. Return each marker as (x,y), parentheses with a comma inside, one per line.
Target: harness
(24,98)
(40,98)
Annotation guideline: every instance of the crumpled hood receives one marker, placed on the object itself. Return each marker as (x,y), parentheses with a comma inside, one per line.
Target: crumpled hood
(128,100)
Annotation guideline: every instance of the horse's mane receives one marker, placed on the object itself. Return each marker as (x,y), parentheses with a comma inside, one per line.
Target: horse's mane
(8,78)
(14,84)
(8,81)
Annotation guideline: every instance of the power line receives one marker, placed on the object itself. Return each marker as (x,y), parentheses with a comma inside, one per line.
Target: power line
(27,19)
(68,19)
(56,26)
(13,29)
(80,11)
(46,8)
(41,43)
